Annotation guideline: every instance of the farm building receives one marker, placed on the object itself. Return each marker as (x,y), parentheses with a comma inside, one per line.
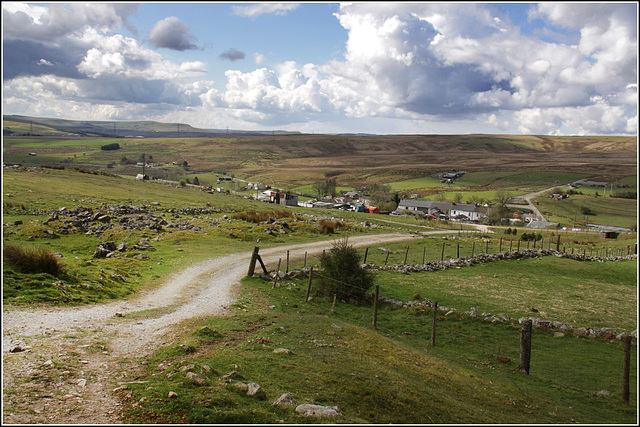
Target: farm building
(256,186)
(142,177)
(280,198)
(468,211)
(609,234)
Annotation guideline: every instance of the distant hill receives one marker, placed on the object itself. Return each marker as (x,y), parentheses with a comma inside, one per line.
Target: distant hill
(25,125)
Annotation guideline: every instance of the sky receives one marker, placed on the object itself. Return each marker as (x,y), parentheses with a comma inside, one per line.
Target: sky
(385,68)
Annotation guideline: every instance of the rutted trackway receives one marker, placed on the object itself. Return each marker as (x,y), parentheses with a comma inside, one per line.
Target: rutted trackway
(204,289)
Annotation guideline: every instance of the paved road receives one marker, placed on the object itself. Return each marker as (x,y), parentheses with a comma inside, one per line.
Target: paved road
(529,197)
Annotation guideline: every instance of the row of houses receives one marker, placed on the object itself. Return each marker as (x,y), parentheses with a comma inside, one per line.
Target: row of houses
(462,211)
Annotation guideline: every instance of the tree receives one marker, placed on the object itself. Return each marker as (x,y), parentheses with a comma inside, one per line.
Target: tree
(343,276)
(440,197)
(457,198)
(196,181)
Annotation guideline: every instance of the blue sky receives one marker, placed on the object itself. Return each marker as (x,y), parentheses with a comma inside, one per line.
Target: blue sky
(547,68)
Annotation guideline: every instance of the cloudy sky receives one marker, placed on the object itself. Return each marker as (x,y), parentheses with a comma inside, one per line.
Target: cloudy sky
(547,68)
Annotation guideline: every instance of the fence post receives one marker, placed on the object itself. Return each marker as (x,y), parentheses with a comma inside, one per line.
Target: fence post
(333,306)
(366,253)
(442,255)
(486,249)
(528,241)
(500,249)
(252,263)
(287,270)
(306,299)
(424,254)
(625,375)
(375,307)
(275,280)
(406,253)
(519,244)
(435,321)
(558,243)
(387,258)
(458,251)
(534,243)
(305,258)
(525,346)
(473,247)
(542,243)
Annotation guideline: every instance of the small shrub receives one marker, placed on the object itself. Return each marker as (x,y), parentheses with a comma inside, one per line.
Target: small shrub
(47,166)
(33,260)
(110,147)
(342,275)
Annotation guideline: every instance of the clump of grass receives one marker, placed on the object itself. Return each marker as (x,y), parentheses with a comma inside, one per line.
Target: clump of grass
(48,166)
(33,260)
(257,217)
(330,226)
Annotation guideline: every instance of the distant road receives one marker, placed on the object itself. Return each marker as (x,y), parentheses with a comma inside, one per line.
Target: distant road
(531,206)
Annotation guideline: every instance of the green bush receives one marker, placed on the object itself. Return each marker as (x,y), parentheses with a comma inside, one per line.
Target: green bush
(342,275)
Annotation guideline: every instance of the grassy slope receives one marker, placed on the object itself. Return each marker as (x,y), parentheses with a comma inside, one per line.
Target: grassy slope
(386,375)
(608,211)
(25,200)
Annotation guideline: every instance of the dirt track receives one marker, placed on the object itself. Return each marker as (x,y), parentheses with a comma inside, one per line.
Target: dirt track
(93,344)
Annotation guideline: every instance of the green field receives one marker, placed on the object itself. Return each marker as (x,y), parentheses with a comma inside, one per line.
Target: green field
(486,196)
(606,210)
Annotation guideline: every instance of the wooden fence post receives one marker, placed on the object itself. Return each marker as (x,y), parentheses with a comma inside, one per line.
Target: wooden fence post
(473,247)
(542,243)
(275,280)
(510,245)
(333,306)
(519,244)
(558,243)
(625,374)
(435,321)
(528,241)
(252,263)
(486,249)
(525,346)
(500,249)
(305,258)
(387,258)
(442,255)
(366,253)
(458,251)
(424,254)
(534,243)
(406,254)
(375,307)
(287,270)
(306,299)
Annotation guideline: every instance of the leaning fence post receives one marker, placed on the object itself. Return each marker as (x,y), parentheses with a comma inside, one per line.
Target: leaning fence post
(309,285)
(435,321)
(473,247)
(387,258)
(442,255)
(252,263)
(525,346)
(375,307)
(424,254)
(406,253)
(625,375)
(366,252)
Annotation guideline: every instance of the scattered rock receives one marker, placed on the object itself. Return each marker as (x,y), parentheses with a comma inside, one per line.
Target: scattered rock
(81,382)
(317,410)
(558,334)
(255,390)
(196,378)
(282,351)
(241,386)
(232,375)
(285,400)
(172,394)
(603,393)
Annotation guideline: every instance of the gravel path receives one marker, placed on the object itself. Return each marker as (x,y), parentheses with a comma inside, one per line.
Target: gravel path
(66,334)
